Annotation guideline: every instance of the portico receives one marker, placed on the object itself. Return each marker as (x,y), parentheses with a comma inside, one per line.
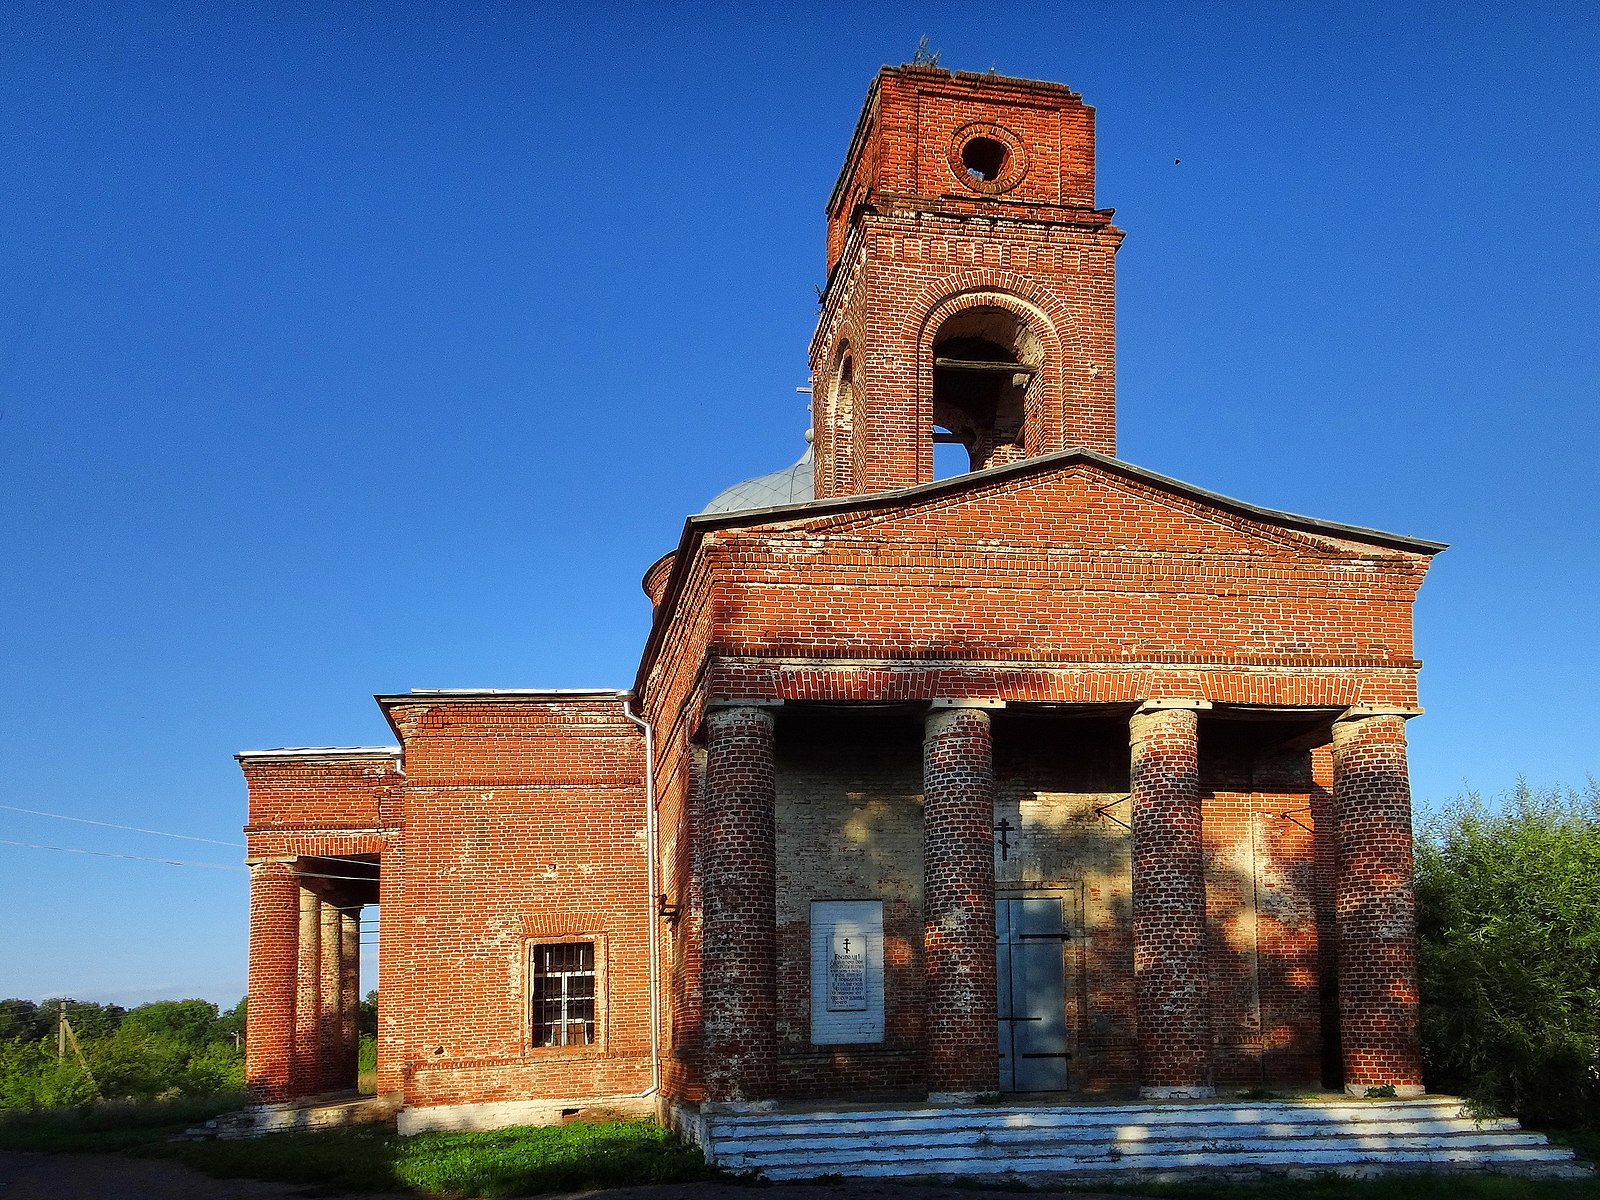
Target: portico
(1185,871)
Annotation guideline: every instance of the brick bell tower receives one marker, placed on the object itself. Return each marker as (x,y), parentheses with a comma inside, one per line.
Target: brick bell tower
(970,292)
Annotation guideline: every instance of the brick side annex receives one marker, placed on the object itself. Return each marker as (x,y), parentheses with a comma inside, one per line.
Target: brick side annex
(1054,776)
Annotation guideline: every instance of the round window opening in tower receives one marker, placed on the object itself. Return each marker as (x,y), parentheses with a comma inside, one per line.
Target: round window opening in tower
(984,158)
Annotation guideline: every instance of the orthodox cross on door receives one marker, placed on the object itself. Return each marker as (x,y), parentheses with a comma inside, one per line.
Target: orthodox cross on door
(1002,830)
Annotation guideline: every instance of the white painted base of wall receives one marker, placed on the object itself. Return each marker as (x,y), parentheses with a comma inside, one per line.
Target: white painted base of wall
(1177,1093)
(522,1112)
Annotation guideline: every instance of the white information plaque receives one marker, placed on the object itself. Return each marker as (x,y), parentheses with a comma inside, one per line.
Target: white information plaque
(846,972)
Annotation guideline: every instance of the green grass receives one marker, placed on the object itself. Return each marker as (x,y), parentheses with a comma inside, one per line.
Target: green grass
(108,1125)
(372,1158)
(502,1162)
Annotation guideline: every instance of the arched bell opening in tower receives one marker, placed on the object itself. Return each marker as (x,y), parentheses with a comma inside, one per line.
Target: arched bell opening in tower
(984,361)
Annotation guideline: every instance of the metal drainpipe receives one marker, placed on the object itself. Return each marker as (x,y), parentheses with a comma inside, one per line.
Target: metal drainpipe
(650,899)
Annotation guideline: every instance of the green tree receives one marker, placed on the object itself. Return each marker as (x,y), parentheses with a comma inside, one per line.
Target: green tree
(188,1022)
(23,1021)
(231,1024)
(89,1020)
(1508,924)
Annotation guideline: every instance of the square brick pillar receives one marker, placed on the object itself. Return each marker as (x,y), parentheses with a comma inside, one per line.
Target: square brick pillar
(1169,902)
(739,955)
(958,938)
(1376,906)
(274,949)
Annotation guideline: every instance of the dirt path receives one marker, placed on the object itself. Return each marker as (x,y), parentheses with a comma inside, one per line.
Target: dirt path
(115,1177)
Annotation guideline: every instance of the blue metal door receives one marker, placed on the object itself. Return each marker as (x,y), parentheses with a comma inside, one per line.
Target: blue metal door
(1030,936)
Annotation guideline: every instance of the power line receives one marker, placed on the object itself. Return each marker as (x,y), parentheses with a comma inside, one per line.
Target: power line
(34,812)
(171,862)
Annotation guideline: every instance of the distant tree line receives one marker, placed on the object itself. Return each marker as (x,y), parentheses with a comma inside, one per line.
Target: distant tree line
(168,1048)
(1508,932)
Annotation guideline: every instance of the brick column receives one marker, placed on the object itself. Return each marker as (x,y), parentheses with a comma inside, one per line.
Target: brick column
(305,1078)
(1376,906)
(1169,903)
(739,956)
(274,934)
(330,1041)
(958,904)
(350,995)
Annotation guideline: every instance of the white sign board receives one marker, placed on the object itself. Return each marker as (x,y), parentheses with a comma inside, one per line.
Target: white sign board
(846,972)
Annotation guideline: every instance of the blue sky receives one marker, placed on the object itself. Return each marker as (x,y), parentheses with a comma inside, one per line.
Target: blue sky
(349,348)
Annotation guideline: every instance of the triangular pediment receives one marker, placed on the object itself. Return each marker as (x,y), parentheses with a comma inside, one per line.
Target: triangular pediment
(1079,500)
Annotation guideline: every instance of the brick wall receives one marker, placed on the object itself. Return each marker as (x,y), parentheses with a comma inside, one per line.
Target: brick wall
(1091,585)
(850,828)
(524,824)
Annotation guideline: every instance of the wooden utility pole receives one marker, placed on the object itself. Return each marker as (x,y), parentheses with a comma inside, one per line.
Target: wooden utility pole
(66,1037)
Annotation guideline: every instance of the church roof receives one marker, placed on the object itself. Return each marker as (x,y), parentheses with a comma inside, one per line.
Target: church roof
(792,485)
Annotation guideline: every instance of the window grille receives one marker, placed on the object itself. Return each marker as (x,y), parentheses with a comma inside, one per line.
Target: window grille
(563,994)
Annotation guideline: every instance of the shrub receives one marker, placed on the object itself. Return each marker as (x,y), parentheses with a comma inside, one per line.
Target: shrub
(1508,923)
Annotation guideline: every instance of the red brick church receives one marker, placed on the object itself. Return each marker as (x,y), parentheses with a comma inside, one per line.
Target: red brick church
(1055,776)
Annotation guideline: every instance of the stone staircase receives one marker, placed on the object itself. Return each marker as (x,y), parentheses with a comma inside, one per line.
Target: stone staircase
(1133,1142)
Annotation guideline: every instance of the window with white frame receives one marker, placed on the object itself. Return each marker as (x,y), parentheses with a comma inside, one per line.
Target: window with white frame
(562,993)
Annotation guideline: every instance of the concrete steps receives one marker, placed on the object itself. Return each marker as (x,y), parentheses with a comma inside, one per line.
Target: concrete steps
(315,1112)
(1142,1141)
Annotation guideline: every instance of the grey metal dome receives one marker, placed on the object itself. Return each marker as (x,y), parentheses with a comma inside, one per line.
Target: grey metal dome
(792,485)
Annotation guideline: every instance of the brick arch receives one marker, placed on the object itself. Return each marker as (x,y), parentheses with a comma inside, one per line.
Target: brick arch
(1044,312)
(844,453)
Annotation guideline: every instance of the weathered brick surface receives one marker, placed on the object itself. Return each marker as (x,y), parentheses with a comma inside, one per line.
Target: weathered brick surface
(913,241)
(1262,906)
(683,852)
(1376,906)
(739,954)
(849,827)
(524,823)
(1169,901)
(515,822)
(274,934)
(325,792)
(301,1035)
(958,889)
